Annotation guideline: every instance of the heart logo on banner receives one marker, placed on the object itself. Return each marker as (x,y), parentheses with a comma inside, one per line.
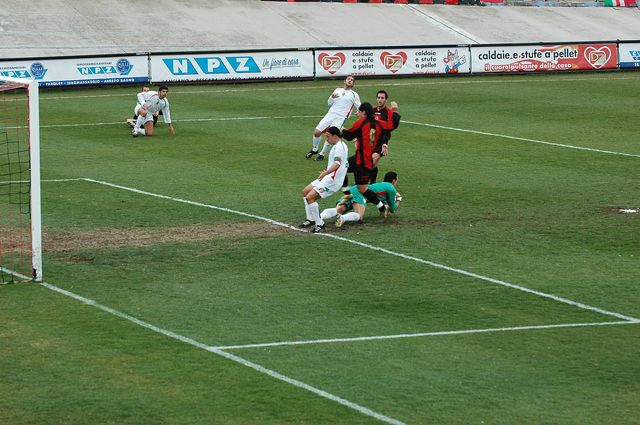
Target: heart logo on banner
(393,62)
(597,58)
(331,63)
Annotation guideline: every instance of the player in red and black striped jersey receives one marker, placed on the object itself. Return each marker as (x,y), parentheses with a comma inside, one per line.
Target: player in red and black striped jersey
(366,130)
(391,120)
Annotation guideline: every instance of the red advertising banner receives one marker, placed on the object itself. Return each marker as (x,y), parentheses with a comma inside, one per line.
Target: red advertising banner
(541,58)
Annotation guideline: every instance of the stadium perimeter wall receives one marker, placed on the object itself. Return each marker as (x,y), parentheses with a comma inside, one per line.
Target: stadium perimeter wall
(250,39)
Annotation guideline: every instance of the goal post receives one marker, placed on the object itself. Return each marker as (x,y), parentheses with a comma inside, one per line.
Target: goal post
(20,207)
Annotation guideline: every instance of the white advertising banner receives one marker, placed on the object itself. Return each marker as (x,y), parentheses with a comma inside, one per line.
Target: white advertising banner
(80,71)
(392,61)
(629,55)
(232,66)
(544,58)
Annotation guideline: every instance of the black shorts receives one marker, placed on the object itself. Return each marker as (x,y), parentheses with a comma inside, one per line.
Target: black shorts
(382,140)
(362,174)
(378,149)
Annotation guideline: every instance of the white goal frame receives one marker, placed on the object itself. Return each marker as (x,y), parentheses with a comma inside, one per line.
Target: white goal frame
(34,171)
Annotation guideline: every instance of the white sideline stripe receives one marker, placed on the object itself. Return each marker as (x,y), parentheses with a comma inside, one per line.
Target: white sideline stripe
(229,356)
(185,120)
(251,118)
(16,274)
(420,334)
(60,180)
(375,248)
(504,136)
(199,204)
(42,180)
(448,81)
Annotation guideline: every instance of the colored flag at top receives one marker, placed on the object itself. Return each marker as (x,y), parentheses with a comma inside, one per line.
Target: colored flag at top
(619,3)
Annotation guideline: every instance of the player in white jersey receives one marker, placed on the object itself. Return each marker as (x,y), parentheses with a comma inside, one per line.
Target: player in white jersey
(328,182)
(132,121)
(152,102)
(341,102)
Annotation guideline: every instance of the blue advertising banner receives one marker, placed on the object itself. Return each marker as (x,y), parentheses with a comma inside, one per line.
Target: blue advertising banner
(232,66)
(629,55)
(80,71)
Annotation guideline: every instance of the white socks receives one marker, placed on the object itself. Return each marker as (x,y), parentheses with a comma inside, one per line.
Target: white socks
(351,216)
(332,212)
(329,213)
(314,213)
(306,209)
(316,143)
(325,148)
(139,128)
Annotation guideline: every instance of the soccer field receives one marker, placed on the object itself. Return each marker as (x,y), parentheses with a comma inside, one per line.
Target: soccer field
(179,290)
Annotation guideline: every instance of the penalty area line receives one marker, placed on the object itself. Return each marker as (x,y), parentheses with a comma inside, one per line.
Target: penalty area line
(276,375)
(379,249)
(420,334)
(522,139)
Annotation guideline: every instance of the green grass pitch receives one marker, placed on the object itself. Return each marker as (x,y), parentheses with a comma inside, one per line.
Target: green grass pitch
(504,291)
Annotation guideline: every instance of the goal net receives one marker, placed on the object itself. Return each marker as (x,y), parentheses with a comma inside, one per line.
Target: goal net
(20,227)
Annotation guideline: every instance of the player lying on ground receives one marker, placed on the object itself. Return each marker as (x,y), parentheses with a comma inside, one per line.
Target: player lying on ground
(352,207)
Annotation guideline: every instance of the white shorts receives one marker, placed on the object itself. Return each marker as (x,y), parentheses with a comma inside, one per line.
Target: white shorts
(330,120)
(149,116)
(326,187)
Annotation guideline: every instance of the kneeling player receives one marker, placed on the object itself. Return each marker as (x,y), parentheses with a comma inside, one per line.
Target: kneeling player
(152,102)
(132,121)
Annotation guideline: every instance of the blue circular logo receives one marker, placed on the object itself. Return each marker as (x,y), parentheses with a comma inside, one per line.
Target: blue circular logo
(37,70)
(124,66)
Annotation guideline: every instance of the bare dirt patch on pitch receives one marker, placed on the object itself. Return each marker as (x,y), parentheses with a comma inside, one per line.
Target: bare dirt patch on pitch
(56,241)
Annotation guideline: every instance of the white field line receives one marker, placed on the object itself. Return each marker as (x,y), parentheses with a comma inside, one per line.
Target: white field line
(255,366)
(375,248)
(184,120)
(408,82)
(16,274)
(198,204)
(60,180)
(229,356)
(42,180)
(420,334)
(504,136)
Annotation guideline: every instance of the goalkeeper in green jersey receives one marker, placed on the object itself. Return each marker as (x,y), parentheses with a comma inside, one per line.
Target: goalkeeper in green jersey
(352,207)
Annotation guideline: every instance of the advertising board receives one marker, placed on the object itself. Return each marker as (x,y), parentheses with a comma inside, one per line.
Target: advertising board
(629,55)
(80,71)
(392,61)
(232,66)
(544,58)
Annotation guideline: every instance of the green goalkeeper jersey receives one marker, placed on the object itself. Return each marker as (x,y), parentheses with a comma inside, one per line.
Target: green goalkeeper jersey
(385,191)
